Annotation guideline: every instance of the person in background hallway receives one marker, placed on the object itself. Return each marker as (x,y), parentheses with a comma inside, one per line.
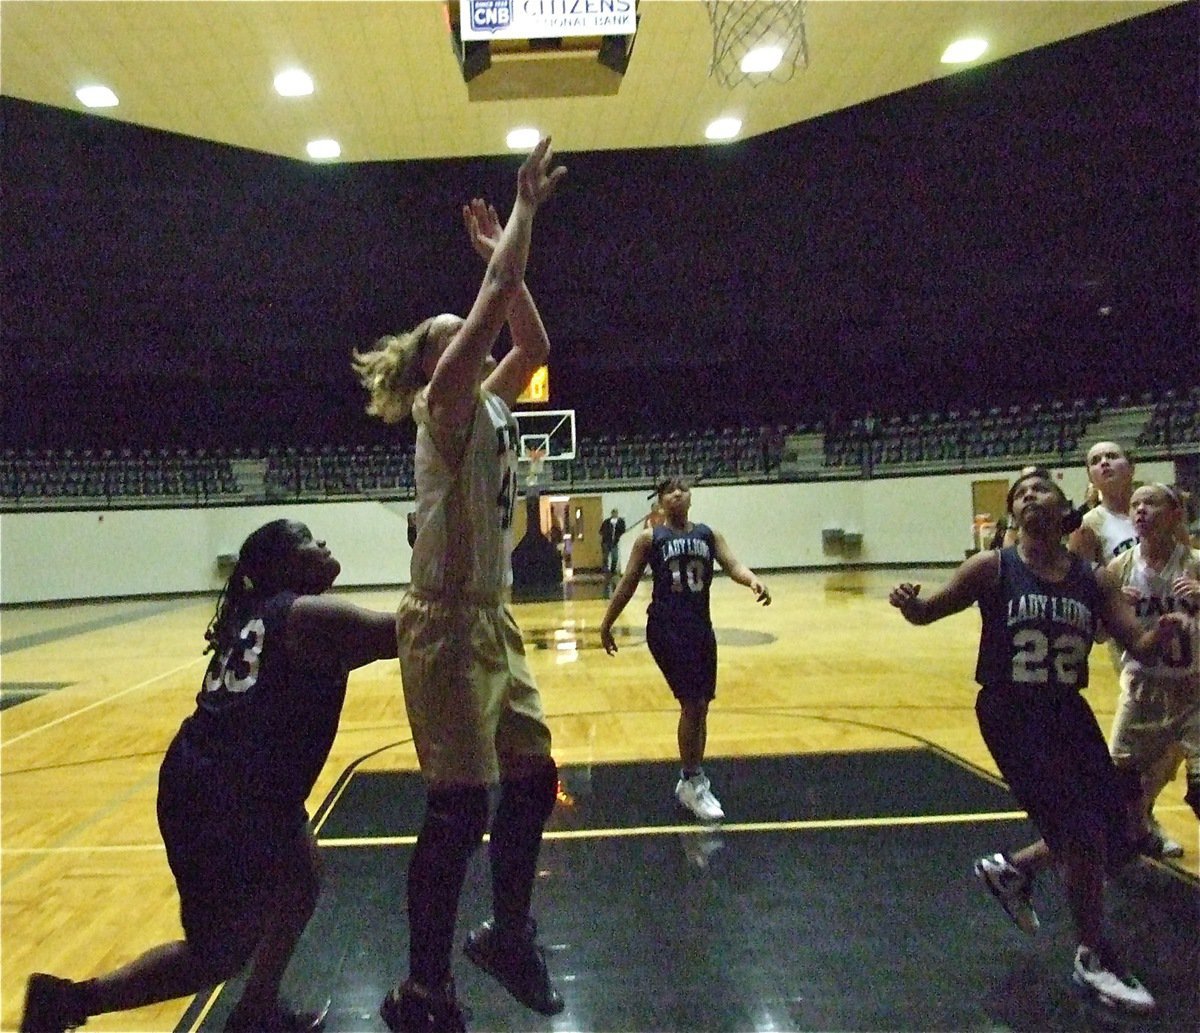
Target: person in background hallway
(611,530)
(232,790)
(679,629)
(1039,605)
(472,702)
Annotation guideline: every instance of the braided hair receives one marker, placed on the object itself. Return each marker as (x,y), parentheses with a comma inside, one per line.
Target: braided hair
(255,576)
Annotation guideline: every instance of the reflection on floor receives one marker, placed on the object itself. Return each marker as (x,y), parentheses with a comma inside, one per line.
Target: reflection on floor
(837,896)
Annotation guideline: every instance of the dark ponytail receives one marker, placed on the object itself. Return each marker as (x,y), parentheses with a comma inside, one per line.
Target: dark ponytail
(255,576)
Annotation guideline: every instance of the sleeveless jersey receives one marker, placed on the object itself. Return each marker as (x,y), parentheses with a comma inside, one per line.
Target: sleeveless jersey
(1179,660)
(682,564)
(1035,632)
(1115,532)
(465,502)
(266,723)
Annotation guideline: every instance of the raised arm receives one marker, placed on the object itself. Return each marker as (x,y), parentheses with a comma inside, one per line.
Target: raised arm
(457,375)
(334,635)
(738,571)
(530,342)
(639,556)
(965,586)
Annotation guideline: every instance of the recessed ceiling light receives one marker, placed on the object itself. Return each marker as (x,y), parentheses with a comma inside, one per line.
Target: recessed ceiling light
(96,97)
(761,60)
(323,150)
(963,50)
(723,128)
(523,139)
(293,83)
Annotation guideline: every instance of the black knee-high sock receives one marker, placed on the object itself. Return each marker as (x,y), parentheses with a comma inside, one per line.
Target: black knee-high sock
(525,804)
(454,823)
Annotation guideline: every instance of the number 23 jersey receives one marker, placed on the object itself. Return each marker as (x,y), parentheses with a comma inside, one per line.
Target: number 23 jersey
(1037,632)
(682,564)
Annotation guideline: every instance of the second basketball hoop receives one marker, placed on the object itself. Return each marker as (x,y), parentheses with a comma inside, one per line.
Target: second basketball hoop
(535,459)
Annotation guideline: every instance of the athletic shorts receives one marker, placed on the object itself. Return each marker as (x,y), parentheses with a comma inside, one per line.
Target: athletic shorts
(222,851)
(1154,716)
(1052,754)
(687,656)
(468,691)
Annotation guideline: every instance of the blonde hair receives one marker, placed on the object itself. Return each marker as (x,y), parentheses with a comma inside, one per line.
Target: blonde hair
(392,372)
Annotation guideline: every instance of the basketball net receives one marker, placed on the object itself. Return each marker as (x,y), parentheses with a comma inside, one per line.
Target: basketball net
(740,26)
(536,458)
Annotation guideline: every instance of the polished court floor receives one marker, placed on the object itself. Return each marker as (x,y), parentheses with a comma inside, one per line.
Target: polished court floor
(836,896)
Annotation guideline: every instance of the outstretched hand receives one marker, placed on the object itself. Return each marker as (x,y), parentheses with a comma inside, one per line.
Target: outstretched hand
(537,179)
(904,597)
(484,228)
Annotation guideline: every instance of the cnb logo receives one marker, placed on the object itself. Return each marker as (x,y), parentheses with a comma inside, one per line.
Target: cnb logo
(491,15)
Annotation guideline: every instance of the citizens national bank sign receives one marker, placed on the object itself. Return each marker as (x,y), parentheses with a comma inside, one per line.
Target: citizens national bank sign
(540,19)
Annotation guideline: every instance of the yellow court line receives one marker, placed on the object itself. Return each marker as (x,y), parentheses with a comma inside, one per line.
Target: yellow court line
(757,826)
(101,702)
(644,830)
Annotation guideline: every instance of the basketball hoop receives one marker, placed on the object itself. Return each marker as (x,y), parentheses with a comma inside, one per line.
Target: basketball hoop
(535,458)
(756,40)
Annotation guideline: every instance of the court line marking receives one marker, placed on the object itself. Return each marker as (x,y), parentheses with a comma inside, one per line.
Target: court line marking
(644,830)
(100,702)
(748,826)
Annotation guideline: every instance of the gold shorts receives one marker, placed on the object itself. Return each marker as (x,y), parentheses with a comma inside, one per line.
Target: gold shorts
(471,699)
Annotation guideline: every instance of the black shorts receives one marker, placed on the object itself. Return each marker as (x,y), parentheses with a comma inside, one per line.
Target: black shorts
(687,656)
(1052,754)
(224,854)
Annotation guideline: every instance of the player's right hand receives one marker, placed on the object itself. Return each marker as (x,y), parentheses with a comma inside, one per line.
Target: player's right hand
(537,181)
(607,641)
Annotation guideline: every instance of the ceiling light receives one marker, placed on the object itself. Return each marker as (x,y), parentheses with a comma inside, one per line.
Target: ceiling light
(964,50)
(322,150)
(96,97)
(523,139)
(723,129)
(761,60)
(293,83)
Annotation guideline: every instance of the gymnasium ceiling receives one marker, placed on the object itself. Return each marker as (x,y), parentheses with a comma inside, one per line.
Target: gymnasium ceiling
(388,85)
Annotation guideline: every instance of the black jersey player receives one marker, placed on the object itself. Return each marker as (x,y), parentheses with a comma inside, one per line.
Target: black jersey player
(1039,605)
(679,629)
(233,785)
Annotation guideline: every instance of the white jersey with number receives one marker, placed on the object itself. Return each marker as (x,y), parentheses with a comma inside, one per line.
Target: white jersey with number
(466,489)
(1179,659)
(1115,531)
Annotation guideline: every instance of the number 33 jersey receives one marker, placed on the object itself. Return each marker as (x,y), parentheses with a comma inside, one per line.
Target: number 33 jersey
(1037,632)
(682,564)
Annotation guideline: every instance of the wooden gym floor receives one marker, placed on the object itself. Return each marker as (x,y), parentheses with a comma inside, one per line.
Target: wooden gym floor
(836,896)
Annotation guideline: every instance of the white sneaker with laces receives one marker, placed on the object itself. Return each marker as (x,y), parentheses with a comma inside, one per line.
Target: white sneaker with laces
(696,795)
(1110,989)
(1009,885)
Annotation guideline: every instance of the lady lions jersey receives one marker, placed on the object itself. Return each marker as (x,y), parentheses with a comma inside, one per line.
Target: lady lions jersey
(682,564)
(1037,632)
(466,491)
